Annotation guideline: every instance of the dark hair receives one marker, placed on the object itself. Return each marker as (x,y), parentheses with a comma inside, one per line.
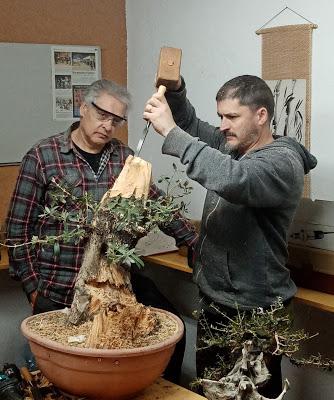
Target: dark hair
(251,91)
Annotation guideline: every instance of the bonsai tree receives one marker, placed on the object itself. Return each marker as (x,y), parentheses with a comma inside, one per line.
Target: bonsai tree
(103,290)
(252,338)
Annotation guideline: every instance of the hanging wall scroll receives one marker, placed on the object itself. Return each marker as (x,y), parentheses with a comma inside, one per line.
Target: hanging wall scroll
(286,67)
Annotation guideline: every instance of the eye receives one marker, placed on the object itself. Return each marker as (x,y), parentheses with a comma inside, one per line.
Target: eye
(103,116)
(117,120)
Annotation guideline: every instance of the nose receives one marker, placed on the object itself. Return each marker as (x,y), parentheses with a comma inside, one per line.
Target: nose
(224,125)
(108,125)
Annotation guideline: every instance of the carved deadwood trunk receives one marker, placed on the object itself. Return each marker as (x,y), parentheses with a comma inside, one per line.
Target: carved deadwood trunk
(103,291)
(242,382)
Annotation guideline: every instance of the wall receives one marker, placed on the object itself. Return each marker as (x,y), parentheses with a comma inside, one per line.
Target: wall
(218,43)
(75,22)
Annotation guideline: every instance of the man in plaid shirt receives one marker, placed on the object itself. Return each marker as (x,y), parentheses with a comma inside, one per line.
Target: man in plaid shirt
(87,158)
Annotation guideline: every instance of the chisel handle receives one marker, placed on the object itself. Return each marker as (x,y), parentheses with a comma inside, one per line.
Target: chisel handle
(162,90)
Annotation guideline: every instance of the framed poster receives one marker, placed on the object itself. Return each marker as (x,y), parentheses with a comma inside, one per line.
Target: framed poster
(73,69)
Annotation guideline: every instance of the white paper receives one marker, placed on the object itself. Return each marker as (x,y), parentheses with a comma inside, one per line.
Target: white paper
(73,69)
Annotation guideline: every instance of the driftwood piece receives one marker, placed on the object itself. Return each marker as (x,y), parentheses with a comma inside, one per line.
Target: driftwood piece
(134,180)
(103,291)
(242,382)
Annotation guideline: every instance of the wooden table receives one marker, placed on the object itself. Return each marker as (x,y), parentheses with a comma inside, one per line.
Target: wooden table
(158,390)
(165,390)
(320,300)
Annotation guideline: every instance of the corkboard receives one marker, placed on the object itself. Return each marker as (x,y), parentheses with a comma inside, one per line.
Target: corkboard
(76,22)
(287,54)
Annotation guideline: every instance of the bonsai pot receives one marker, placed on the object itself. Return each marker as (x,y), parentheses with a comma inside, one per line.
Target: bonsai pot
(103,374)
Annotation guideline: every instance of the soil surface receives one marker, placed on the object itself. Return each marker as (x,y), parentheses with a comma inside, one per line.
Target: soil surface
(54,326)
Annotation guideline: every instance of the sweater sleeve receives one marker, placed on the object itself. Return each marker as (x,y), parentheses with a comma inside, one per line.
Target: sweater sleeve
(180,227)
(185,117)
(263,179)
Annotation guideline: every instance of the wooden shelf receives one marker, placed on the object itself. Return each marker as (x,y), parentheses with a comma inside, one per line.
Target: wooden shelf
(323,301)
(4,258)
(174,260)
(171,260)
(320,300)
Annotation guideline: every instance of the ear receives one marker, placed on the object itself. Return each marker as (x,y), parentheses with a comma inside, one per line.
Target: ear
(262,115)
(83,109)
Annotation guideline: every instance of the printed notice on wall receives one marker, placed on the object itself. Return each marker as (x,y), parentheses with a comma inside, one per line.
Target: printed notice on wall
(73,69)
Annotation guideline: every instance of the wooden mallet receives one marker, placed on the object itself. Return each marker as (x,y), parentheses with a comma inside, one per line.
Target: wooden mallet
(168,73)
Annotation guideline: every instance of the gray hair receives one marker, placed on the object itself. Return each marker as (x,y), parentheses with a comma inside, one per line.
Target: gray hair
(110,88)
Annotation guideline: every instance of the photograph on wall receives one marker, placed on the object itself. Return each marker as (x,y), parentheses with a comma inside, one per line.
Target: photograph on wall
(289,113)
(73,69)
(62,58)
(84,61)
(63,104)
(63,82)
(78,93)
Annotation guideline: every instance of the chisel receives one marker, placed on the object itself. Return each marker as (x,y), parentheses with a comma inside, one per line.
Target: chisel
(161,91)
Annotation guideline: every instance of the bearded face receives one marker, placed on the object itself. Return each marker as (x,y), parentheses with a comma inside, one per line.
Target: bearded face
(239,124)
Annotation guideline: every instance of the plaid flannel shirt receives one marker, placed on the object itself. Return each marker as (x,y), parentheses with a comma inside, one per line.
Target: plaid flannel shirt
(56,158)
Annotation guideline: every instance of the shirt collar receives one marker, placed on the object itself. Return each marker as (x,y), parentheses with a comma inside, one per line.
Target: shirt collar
(67,143)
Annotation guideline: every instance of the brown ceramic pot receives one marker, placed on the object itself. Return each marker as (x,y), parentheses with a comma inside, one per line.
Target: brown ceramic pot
(100,373)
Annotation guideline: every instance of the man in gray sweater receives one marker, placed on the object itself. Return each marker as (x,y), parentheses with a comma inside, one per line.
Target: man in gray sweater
(254,183)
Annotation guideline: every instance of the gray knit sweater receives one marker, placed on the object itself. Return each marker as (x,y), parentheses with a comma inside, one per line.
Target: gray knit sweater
(242,250)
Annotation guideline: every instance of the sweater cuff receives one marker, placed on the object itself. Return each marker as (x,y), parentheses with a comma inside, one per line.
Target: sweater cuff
(178,92)
(176,142)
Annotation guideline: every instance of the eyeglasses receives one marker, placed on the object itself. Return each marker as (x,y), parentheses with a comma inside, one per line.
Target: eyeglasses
(105,116)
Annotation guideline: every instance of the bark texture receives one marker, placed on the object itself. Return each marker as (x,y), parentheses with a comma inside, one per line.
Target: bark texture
(103,290)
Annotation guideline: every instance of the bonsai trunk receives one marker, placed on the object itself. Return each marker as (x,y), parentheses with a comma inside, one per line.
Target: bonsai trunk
(103,290)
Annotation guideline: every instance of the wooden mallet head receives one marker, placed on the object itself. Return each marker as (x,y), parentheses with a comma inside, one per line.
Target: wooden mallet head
(168,73)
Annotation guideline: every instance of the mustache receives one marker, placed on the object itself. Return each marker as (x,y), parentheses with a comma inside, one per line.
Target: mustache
(229,134)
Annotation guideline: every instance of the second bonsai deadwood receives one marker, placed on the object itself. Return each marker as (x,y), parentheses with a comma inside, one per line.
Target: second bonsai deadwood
(249,372)
(251,339)
(103,289)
